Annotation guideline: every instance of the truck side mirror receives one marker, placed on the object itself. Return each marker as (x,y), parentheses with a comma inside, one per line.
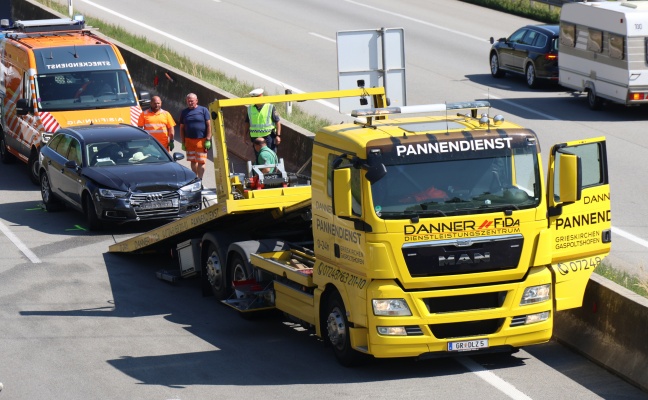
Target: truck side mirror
(342,192)
(145,100)
(569,179)
(376,170)
(22,107)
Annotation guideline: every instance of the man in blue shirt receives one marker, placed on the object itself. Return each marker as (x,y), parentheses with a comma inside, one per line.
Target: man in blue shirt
(195,134)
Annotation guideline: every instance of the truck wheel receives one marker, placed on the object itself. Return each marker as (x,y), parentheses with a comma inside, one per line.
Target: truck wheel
(5,156)
(593,100)
(531,79)
(34,167)
(238,268)
(494,66)
(215,272)
(94,223)
(337,329)
(50,201)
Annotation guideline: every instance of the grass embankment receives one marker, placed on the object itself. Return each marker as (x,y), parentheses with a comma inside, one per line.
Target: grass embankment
(533,10)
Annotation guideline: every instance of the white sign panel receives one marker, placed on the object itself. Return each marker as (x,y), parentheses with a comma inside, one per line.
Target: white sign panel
(375,56)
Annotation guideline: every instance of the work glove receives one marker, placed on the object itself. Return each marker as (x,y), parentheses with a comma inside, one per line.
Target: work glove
(207,144)
(171,145)
(183,147)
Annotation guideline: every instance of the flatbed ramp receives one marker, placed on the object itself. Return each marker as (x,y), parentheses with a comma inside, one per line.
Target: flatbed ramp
(212,217)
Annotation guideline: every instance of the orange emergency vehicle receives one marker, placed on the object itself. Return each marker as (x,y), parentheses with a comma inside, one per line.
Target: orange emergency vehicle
(56,73)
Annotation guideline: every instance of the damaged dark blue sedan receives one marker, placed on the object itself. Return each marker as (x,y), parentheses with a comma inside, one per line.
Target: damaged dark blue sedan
(116,174)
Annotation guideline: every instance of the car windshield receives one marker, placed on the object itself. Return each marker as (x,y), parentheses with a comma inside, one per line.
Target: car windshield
(127,152)
(499,182)
(84,90)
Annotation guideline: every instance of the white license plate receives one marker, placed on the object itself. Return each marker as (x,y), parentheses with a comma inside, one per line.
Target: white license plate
(156,204)
(468,345)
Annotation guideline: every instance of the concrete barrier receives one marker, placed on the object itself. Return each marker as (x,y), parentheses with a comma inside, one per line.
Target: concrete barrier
(610,328)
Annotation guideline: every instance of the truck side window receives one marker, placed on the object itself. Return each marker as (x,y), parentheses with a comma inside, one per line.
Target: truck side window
(27,88)
(593,168)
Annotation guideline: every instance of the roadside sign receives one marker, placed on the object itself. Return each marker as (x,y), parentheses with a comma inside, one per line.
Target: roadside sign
(375,56)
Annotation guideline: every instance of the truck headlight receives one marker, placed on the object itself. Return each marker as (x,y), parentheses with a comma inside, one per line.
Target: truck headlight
(392,330)
(391,307)
(536,294)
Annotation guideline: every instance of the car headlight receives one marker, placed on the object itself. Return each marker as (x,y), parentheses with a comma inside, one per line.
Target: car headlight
(192,187)
(111,193)
(536,294)
(396,307)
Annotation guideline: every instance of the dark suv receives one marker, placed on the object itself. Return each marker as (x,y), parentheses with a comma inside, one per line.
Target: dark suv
(531,50)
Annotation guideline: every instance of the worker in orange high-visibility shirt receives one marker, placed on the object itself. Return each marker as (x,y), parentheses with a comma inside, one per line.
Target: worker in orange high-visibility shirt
(158,123)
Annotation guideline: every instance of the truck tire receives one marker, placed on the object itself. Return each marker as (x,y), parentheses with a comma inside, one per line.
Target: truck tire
(215,272)
(337,332)
(5,156)
(50,202)
(34,167)
(238,268)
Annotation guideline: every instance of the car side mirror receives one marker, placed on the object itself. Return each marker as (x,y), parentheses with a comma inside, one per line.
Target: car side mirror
(71,164)
(178,156)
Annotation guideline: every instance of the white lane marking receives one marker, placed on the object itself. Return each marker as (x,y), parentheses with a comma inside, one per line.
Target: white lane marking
(617,231)
(443,28)
(527,109)
(630,236)
(208,53)
(492,379)
(322,37)
(18,243)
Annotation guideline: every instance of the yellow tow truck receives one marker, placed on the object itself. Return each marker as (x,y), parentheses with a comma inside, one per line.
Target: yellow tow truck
(421,231)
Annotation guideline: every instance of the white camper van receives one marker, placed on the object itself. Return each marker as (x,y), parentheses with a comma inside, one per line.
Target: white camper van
(603,51)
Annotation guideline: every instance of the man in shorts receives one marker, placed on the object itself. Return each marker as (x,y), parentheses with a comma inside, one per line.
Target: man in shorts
(195,134)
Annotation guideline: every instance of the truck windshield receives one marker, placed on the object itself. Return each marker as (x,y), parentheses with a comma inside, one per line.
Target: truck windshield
(84,90)
(458,187)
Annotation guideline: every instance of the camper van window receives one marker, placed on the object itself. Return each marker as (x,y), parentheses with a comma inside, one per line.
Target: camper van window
(567,34)
(595,41)
(616,46)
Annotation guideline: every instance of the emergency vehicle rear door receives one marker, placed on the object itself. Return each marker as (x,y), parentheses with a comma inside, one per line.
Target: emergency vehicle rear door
(580,230)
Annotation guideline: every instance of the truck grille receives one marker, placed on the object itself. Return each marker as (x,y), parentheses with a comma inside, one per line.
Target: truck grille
(464,329)
(469,302)
(463,256)
(155,204)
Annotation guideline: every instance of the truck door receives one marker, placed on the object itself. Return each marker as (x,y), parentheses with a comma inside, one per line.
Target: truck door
(579,216)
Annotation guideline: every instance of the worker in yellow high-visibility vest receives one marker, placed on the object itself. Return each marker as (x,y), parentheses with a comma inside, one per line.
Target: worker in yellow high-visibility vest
(262,120)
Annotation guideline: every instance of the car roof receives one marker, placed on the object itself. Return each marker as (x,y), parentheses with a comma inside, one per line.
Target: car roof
(551,30)
(107,132)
